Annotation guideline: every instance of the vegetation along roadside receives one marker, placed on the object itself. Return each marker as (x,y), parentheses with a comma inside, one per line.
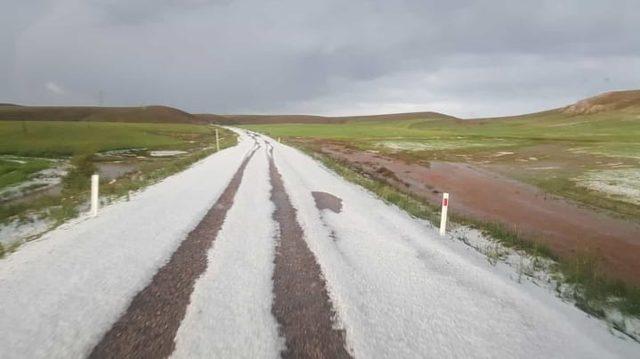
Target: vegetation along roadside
(45,167)
(579,279)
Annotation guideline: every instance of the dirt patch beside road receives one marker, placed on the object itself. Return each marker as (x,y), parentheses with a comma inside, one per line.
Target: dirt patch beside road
(478,193)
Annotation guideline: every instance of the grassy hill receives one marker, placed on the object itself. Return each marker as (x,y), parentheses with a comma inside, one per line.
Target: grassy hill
(153,114)
(311,119)
(615,100)
(608,123)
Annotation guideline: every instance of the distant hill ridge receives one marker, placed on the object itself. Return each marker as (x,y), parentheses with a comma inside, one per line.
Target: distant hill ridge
(267,119)
(609,101)
(159,114)
(614,100)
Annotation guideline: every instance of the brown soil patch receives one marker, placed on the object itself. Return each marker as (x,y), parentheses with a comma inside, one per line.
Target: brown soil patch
(483,195)
(148,328)
(328,201)
(302,305)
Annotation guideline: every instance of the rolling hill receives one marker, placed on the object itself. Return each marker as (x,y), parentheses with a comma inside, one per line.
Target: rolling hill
(623,102)
(603,105)
(311,119)
(615,100)
(153,114)
(606,103)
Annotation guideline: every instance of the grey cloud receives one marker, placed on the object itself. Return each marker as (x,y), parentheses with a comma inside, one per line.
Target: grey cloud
(464,57)
(140,11)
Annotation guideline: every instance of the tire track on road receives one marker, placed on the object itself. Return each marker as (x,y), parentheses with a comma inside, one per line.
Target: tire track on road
(301,306)
(148,328)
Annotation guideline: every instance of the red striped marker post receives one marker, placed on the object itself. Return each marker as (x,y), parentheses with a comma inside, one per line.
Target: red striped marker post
(443,217)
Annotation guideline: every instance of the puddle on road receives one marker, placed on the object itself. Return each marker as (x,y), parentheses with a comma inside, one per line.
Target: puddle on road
(328,201)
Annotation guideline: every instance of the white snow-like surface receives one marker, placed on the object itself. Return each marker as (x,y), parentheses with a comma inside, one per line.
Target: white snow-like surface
(229,315)
(621,184)
(40,180)
(166,153)
(400,291)
(16,231)
(60,294)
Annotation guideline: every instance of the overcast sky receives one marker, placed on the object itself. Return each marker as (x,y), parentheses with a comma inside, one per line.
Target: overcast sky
(465,58)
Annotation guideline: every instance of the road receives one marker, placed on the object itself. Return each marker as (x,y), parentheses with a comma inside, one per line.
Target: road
(259,251)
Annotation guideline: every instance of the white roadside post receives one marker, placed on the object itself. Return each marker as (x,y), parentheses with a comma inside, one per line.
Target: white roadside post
(217,141)
(443,218)
(95,180)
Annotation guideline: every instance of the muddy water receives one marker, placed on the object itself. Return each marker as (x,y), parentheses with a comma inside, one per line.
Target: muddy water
(53,190)
(113,170)
(106,170)
(478,193)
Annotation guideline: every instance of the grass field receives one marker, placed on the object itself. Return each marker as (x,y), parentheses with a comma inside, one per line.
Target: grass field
(553,150)
(14,170)
(53,139)
(25,141)
(611,132)
(78,149)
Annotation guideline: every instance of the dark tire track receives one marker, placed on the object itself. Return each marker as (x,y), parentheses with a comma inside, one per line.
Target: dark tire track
(301,305)
(148,328)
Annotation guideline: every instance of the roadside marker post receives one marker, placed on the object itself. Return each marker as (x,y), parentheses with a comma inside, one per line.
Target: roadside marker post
(95,182)
(443,217)
(217,141)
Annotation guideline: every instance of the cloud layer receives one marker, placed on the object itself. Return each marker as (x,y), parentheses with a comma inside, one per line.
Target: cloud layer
(466,58)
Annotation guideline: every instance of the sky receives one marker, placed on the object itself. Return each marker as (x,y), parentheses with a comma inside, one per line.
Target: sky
(460,57)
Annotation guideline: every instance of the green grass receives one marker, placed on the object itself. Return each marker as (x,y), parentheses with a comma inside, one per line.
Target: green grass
(510,238)
(594,290)
(82,168)
(611,130)
(573,144)
(82,140)
(53,139)
(153,171)
(16,170)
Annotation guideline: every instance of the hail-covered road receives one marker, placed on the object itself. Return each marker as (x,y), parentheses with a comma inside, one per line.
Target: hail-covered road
(260,252)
